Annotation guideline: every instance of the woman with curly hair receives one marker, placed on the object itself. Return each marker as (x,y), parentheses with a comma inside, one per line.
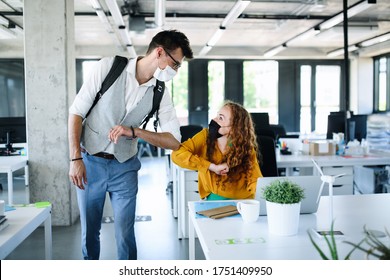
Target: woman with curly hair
(225,155)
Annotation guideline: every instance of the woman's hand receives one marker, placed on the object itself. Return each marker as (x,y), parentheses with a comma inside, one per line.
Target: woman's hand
(219,169)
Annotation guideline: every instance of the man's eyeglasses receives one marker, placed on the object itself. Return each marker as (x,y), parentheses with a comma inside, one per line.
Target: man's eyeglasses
(177,64)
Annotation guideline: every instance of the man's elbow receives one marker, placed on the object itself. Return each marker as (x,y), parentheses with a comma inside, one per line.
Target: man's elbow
(175,146)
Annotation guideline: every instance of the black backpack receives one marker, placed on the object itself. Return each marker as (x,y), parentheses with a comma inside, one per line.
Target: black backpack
(117,68)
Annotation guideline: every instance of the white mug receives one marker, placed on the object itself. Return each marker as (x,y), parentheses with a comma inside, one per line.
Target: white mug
(2,207)
(249,210)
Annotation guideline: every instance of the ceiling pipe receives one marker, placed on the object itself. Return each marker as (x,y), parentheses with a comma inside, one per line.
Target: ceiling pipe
(159,13)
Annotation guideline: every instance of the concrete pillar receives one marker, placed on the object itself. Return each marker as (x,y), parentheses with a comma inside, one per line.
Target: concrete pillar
(50,87)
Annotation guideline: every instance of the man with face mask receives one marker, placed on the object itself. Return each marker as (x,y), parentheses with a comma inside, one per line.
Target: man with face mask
(103,147)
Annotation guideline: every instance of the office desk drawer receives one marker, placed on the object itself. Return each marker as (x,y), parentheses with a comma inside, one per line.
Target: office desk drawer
(191,175)
(192,196)
(336,170)
(346,179)
(344,189)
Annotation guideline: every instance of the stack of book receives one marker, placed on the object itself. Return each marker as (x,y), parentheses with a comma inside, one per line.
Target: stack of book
(3,222)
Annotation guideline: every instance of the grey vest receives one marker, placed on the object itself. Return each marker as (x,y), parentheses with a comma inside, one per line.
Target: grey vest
(111,111)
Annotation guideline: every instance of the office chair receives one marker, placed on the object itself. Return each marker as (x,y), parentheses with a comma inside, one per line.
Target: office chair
(279,130)
(266,132)
(268,165)
(187,131)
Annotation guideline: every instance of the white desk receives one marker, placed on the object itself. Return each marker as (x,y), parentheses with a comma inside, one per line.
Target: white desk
(9,164)
(22,222)
(351,213)
(291,161)
(185,184)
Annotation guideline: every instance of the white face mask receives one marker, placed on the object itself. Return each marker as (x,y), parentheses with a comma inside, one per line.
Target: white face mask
(164,75)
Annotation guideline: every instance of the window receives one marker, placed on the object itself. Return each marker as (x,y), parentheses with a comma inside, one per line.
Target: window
(327,98)
(318,96)
(305,118)
(382,84)
(87,68)
(12,95)
(178,88)
(216,87)
(261,88)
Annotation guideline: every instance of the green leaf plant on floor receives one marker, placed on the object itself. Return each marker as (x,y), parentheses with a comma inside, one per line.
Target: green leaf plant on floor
(376,248)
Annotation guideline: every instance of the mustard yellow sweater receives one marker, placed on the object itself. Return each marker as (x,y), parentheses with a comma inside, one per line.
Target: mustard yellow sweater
(192,155)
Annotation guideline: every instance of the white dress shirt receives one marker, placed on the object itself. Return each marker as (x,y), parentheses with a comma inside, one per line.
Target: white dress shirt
(134,93)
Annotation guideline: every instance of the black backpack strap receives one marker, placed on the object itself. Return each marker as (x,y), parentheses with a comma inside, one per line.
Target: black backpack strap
(158,92)
(117,68)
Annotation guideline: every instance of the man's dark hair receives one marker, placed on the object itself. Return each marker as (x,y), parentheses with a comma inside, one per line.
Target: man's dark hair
(171,40)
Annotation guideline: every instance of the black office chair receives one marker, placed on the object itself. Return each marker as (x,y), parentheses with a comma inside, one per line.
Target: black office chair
(268,165)
(279,130)
(266,132)
(187,131)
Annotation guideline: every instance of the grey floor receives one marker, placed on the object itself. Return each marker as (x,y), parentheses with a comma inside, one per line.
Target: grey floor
(156,232)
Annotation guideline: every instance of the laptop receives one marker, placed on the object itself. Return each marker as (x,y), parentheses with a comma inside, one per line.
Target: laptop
(311,185)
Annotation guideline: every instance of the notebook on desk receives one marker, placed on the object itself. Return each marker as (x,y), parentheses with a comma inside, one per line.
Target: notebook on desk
(311,185)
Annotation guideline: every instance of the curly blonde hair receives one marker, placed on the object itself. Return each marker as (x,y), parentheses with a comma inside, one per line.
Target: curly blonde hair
(242,142)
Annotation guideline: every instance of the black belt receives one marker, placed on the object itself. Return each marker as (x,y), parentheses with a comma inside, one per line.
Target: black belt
(101,154)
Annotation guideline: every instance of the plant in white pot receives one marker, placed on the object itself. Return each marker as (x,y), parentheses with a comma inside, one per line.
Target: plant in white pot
(283,203)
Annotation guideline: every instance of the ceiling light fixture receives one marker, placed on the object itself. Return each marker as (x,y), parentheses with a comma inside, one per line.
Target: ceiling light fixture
(215,38)
(124,35)
(159,13)
(115,12)
(95,4)
(274,51)
(131,50)
(16,28)
(352,11)
(4,21)
(5,33)
(103,18)
(376,40)
(233,14)
(303,36)
(341,51)
(205,50)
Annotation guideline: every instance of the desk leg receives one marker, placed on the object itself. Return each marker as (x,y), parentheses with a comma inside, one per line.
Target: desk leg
(26,174)
(289,171)
(10,188)
(48,239)
(191,238)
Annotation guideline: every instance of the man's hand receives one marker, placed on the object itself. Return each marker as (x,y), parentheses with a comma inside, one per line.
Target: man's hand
(219,169)
(118,131)
(77,174)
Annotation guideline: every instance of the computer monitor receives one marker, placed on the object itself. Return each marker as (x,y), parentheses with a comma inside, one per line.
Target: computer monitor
(336,124)
(357,126)
(15,127)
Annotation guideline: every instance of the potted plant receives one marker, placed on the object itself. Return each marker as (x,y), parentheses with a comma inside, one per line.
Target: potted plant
(332,246)
(377,248)
(283,202)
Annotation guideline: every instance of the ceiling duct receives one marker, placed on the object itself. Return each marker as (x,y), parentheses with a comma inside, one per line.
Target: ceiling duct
(136,19)
(137,23)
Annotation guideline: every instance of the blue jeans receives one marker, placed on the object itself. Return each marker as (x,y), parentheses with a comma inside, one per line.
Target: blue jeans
(120,180)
